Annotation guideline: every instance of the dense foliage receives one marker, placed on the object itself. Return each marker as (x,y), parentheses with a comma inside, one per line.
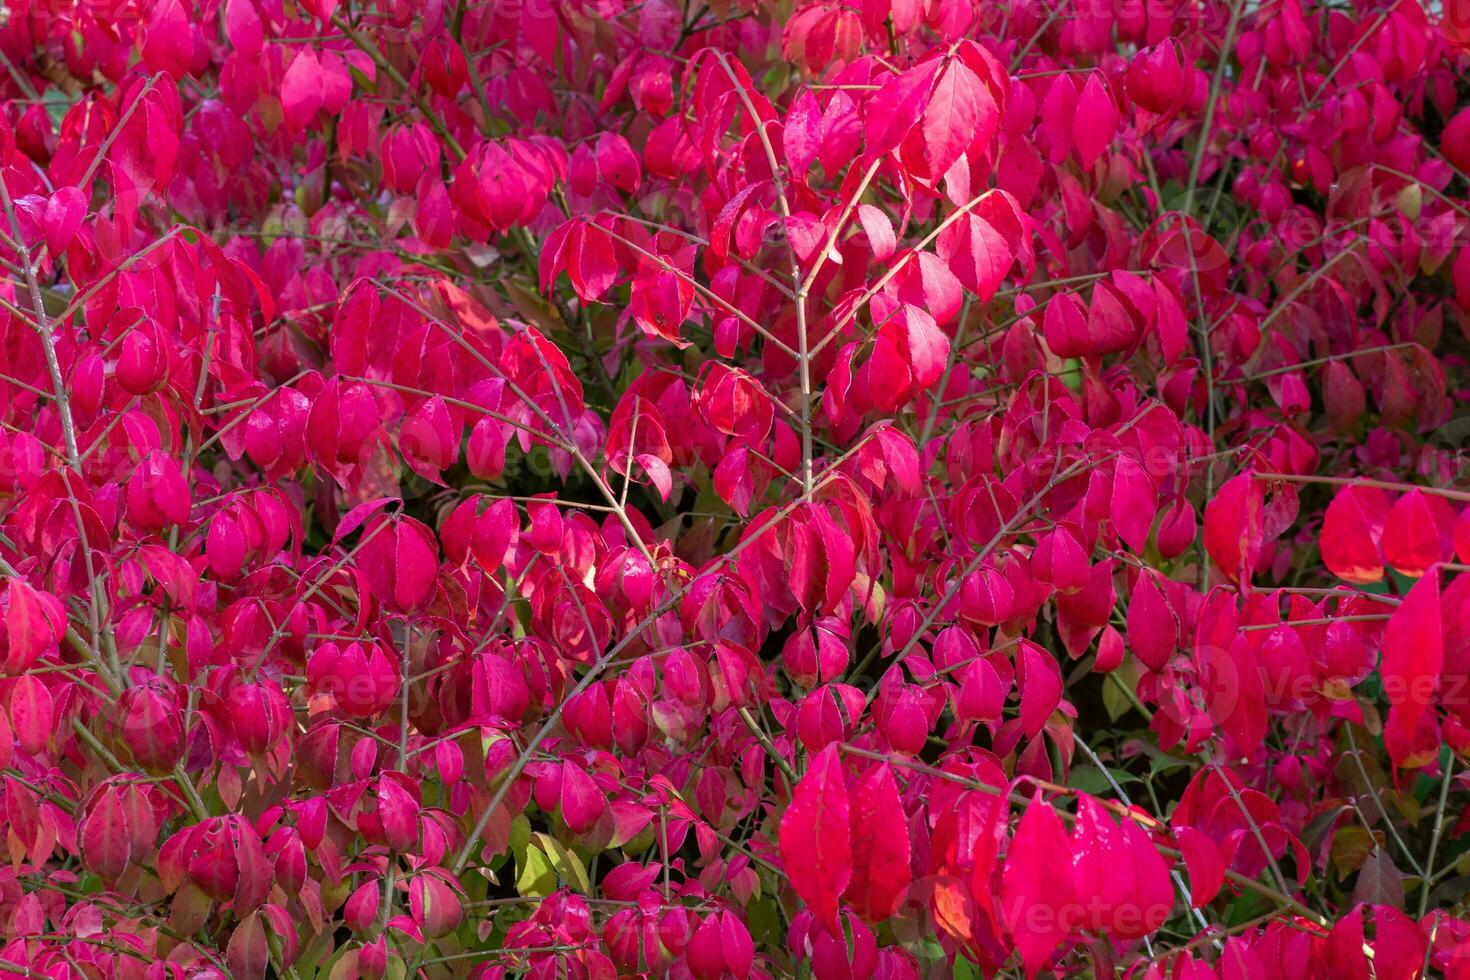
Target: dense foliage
(586,488)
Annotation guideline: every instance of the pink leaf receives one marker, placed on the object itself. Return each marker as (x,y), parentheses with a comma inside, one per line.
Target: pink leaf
(1134,503)
(302,88)
(1234,697)
(879,231)
(582,803)
(925,346)
(1041,686)
(1037,886)
(880,845)
(1233,526)
(1413,656)
(243,27)
(64,212)
(658,472)
(1153,627)
(1454,141)
(31,713)
(661,304)
(416,564)
(815,837)
(1096,121)
(961,112)
(1123,886)
(34,622)
(1351,531)
(1205,864)
(1416,532)
(977,252)
(104,836)
(435,908)
(354,518)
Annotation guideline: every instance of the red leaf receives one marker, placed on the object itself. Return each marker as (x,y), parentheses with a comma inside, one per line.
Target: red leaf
(1351,531)
(925,346)
(1058,110)
(64,212)
(1153,627)
(302,88)
(1111,328)
(591,261)
(1123,886)
(893,110)
(961,113)
(104,835)
(1416,532)
(1454,141)
(1205,864)
(1343,394)
(435,907)
(429,439)
(1064,325)
(733,480)
(1096,121)
(582,802)
(34,622)
(801,135)
(433,218)
(1041,686)
(815,837)
(1234,697)
(616,162)
(416,564)
(1037,886)
(1233,526)
(887,377)
(1169,322)
(1399,945)
(661,303)
(31,713)
(977,253)
(880,845)
(1134,503)
(248,952)
(1413,656)
(1344,947)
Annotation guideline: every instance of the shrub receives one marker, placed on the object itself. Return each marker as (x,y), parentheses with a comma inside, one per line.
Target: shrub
(559,489)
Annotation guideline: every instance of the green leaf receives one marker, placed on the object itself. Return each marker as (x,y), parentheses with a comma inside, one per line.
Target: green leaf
(1091,779)
(535,876)
(1071,373)
(1350,848)
(1115,702)
(1160,761)
(567,865)
(520,835)
(764,921)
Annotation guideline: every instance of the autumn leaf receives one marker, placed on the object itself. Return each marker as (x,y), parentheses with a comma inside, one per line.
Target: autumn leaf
(880,845)
(816,837)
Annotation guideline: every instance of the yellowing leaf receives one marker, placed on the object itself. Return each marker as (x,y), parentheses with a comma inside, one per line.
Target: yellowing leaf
(566,864)
(535,876)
